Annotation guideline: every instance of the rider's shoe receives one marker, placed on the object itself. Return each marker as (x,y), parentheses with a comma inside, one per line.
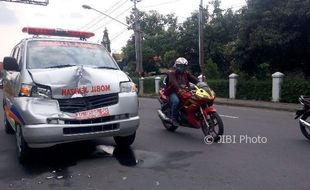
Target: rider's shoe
(174,122)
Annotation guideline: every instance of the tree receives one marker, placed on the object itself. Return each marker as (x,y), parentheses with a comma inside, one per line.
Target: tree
(211,70)
(274,32)
(188,46)
(159,37)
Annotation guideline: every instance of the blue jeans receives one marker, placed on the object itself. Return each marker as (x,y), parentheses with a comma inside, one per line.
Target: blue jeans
(174,102)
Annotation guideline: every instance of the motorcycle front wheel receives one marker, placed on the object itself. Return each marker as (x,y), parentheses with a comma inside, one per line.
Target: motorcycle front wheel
(305,130)
(214,126)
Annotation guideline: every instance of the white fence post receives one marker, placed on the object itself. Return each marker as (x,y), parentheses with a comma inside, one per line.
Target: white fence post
(233,85)
(276,86)
(141,89)
(157,81)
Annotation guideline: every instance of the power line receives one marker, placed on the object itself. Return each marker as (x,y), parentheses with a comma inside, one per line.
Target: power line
(104,24)
(91,22)
(118,34)
(118,7)
(102,17)
(96,23)
(114,5)
(120,14)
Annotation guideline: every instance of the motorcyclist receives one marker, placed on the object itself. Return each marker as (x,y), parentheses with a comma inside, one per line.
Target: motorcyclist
(177,81)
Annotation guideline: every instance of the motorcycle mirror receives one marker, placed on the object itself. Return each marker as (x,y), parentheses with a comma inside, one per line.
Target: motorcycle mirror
(165,81)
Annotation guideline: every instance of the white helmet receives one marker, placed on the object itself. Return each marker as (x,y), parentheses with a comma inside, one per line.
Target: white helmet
(180,61)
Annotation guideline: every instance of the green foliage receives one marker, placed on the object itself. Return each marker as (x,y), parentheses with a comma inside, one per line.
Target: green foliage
(211,70)
(292,88)
(263,71)
(148,57)
(169,58)
(130,68)
(254,90)
(220,87)
(257,40)
(159,37)
(149,85)
(274,32)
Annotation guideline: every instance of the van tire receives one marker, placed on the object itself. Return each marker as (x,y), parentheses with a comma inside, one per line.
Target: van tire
(22,149)
(125,140)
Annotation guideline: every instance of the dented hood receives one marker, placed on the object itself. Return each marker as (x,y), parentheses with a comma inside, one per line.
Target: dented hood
(79,81)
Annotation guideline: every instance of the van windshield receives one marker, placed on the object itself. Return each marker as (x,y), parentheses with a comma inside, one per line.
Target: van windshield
(57,54)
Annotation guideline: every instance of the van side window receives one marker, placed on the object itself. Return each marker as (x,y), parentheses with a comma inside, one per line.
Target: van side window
(17,54)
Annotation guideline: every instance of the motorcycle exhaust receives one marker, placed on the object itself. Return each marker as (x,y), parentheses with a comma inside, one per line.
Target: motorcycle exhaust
(304,123)
(163,116)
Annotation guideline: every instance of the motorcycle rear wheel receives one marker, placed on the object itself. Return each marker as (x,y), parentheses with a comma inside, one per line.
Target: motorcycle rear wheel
(214,127)
(304,130)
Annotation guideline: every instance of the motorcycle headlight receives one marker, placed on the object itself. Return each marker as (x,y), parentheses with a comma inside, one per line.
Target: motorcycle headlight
(35,91)
(128,87)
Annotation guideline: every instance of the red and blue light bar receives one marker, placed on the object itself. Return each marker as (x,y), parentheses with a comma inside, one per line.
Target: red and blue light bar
(57,32)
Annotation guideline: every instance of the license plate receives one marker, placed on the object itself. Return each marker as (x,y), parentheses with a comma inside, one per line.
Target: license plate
(94,113)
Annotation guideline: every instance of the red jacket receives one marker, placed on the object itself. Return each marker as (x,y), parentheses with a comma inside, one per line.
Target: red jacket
(176,81)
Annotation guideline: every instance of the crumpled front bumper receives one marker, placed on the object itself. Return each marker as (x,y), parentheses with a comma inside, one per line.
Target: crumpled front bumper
(44,125)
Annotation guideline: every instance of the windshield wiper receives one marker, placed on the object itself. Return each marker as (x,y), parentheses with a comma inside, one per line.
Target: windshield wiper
(60,66)
(105,67)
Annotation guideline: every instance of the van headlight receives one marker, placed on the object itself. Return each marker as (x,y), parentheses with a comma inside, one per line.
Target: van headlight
(35,91)
(43,92)
(128,87)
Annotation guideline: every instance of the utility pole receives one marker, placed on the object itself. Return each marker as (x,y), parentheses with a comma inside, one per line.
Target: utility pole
(201,40)
(138,40)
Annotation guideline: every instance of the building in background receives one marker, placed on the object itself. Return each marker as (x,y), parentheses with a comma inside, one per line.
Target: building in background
(106,41)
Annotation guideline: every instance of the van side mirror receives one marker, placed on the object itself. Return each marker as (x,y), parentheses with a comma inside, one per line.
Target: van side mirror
(10,64)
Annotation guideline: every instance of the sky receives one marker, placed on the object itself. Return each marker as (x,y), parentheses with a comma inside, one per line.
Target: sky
(69,14)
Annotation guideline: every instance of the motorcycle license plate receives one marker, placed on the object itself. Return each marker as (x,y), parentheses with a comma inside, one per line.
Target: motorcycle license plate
(94,113)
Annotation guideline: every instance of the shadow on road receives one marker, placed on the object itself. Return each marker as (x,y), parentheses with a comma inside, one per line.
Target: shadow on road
(58,159)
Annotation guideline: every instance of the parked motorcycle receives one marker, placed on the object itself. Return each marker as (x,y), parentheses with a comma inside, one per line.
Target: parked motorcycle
(196,111)
(304,121)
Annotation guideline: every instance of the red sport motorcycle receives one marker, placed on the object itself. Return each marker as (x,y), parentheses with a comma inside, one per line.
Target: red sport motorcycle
(196,111)
(304,114)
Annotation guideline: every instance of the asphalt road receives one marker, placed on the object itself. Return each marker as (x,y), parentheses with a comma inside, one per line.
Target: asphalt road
(268,152)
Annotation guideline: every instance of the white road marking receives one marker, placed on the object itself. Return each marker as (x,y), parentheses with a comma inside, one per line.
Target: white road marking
(229,116)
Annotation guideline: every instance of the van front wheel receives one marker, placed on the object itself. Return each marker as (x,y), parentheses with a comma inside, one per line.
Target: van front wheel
(125,140)
(23,150)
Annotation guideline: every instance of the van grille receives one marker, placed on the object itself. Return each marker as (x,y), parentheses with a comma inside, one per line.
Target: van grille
(90,121)
(74,105)
(91,129)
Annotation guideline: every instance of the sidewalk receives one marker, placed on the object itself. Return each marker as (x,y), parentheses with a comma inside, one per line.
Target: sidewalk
(258,104)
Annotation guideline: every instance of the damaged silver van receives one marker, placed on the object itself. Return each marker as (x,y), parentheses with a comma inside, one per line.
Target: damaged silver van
(65,89)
